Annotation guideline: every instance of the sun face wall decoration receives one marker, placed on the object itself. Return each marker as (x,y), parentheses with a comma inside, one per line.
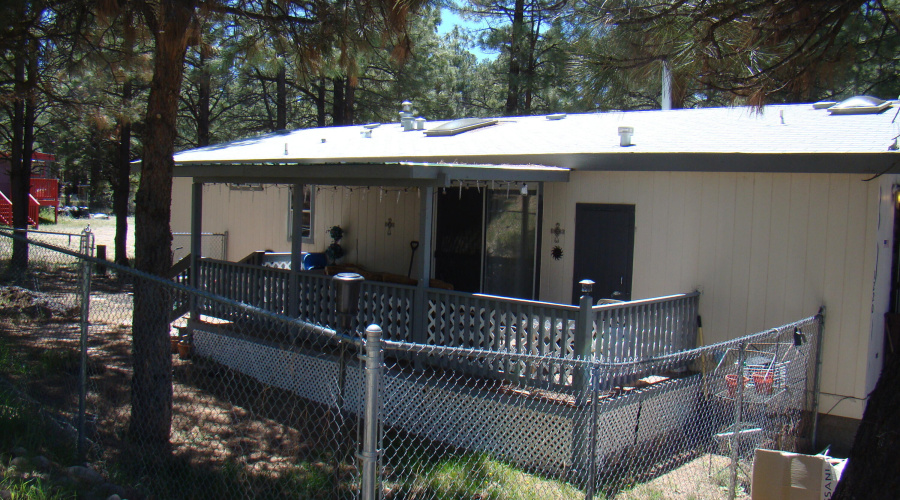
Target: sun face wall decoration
(556,252)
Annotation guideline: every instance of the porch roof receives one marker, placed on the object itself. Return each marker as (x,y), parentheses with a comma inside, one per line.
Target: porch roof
(778,138)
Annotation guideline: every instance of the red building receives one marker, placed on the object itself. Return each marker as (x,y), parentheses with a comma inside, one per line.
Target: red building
(44,189)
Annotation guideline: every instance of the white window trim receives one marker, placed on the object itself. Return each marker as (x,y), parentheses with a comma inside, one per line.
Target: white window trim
(312,214)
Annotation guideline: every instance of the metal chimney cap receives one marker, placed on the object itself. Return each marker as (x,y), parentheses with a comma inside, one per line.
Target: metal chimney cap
(348,277)
(407,106)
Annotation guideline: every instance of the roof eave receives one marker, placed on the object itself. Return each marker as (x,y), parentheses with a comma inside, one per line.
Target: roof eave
(434,171)
(368,174)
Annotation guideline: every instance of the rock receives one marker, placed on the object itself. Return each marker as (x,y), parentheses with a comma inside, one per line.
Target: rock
(41,463)
(84,475)
(5,494)
(21,463)
(65,483)
(114,497)
(18,451)
(106,491)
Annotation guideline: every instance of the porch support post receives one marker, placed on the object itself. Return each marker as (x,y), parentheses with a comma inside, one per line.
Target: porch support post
(196,235)
(426,216)
(296,250)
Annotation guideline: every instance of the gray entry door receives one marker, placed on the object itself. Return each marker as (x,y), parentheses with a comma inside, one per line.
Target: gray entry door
(604,250)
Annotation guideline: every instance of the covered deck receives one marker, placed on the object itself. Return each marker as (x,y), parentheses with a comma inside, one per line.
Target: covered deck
(423,311)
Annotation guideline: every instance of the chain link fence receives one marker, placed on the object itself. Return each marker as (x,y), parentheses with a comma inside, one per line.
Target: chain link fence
(266,406)
(212,245)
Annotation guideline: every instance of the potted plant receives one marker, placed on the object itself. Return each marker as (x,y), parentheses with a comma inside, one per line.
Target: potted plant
(763,382)
(184,350)
(334,251)
(731,383)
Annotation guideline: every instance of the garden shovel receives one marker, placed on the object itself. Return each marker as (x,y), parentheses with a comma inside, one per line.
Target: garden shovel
(414,245)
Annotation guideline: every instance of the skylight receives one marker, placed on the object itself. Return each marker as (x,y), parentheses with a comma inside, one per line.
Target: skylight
(459,126)
(859,105)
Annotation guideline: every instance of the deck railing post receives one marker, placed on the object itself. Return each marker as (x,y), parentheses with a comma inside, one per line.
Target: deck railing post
(584,327)
(369,454)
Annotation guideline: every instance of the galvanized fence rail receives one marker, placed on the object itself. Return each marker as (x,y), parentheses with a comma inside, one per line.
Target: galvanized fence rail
(269,406)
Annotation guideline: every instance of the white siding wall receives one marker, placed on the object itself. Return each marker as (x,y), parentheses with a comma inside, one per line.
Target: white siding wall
(362,213)
(257,220)
(765,249)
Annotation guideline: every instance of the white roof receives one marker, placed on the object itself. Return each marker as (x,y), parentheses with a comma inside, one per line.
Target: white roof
(581,141)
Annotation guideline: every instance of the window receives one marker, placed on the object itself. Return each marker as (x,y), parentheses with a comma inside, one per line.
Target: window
(306,221)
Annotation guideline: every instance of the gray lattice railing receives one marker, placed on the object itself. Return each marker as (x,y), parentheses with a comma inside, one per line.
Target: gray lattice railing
(389,305)
(490,323)
(262,287)
(637,329)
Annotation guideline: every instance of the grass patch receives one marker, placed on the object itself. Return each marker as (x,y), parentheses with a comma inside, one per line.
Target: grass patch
(68,224)
(59,361)
(32,489)
(10,362)
(467,476)
(179,478)
(23,425)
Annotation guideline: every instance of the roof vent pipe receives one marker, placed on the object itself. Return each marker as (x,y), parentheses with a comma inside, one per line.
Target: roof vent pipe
(625,134)
(420,124)
(666,97)
(406,116)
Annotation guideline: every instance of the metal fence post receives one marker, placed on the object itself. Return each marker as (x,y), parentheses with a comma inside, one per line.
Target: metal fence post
(592,442)
(370,452)
(85,295)
(817,375)
(583,338)
(738,416)
(582,447)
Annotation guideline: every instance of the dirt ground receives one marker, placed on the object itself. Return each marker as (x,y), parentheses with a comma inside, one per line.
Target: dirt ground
(704,478)
(104,231)
(229,433)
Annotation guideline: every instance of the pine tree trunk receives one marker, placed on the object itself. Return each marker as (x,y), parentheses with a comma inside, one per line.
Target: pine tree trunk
(873,468)
(95,183)
(320,104)
(19,172)
(151,391)
(281,100)
(122,182)
(349,101)
(515,55)
(203,103)
(337,110)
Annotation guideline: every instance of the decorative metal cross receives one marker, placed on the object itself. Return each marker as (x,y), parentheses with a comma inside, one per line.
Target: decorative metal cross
(556,231)
(389,225)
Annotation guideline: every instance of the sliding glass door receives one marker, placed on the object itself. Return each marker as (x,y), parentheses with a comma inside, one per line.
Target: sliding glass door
(486,241)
